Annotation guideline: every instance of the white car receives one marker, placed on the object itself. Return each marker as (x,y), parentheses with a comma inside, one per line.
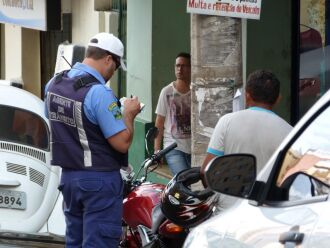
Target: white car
(287,204)
(29,199)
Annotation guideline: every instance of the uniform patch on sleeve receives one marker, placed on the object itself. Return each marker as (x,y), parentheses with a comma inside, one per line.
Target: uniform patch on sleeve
(115,110)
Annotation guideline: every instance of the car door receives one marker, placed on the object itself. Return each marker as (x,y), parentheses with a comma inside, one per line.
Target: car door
(296,203)
(288,205)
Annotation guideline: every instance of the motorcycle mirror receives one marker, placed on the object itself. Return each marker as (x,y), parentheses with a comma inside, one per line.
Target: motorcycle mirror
(152,133)
(150,136)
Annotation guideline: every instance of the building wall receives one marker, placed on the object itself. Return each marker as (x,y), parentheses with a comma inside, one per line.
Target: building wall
(156,31)
(21,55)
(12,51)
(269,46)
(171,35)
(216,74)
(2,51)
(31,61)
(21,46)
(139,53)
(85,21)
(217,67)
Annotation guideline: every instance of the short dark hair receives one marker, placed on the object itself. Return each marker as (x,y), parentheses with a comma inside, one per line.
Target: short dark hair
(184,55)
(263,86)
(96,53)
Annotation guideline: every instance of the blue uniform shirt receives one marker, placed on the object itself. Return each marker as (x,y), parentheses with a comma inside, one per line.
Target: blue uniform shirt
(98,102)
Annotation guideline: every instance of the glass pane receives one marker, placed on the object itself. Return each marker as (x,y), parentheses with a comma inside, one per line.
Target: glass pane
(303,187)
(314,57)
(310,153)
(20,126)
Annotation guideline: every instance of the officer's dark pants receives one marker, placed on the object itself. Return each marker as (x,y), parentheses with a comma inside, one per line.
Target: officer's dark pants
(92,208)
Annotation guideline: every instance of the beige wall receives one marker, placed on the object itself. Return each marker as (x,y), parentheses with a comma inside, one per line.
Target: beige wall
(31,73)
(2,51)
(21,56)
(20,47)
(12,51)
(87,22)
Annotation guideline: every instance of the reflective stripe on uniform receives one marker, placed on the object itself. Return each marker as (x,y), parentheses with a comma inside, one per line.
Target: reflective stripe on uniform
(82,135)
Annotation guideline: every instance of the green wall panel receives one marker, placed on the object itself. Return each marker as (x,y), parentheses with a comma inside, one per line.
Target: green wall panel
(157,31)
(138,153)
(170,36)
(269,46)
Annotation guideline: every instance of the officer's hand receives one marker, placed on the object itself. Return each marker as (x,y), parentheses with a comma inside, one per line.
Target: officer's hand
(132,106)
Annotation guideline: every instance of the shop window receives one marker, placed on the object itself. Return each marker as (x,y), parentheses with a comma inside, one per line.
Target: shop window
(314,71)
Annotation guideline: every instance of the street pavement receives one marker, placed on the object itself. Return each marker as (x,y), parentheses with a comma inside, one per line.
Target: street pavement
(29,240)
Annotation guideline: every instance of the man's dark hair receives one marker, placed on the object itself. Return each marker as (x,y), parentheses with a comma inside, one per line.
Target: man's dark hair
(96,53)
(183,55)
(263,86)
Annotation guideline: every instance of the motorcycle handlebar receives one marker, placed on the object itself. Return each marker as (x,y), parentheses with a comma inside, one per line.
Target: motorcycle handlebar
(161,153)
(157,156)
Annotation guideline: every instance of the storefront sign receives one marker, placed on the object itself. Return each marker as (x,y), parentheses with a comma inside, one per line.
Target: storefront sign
(25,13)
(249,9)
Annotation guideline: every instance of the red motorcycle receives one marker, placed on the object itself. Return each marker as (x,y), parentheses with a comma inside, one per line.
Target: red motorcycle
(156,215)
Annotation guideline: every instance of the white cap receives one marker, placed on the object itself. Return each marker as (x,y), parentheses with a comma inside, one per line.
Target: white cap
(110,43)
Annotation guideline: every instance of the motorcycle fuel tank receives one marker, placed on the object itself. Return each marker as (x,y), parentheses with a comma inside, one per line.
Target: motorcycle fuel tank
(139,203)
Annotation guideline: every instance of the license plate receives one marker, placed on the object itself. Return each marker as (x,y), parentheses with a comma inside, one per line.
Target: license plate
(12,199)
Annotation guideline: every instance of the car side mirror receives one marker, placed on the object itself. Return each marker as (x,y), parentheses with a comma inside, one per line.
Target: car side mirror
(232,174)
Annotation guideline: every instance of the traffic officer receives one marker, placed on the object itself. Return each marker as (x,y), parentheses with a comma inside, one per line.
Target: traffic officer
(90,137)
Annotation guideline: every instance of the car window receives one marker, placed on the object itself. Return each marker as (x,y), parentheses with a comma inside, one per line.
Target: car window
(305,171)
(304,186)
(21,126)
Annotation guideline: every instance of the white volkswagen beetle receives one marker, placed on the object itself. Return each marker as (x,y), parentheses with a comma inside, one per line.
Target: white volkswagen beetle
(287,204)
(29,199)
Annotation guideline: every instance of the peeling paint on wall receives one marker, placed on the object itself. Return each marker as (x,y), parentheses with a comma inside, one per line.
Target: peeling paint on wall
(212,103)
(218,46)
(216,74)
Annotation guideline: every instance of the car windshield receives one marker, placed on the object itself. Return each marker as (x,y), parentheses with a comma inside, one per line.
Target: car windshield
(24,127)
